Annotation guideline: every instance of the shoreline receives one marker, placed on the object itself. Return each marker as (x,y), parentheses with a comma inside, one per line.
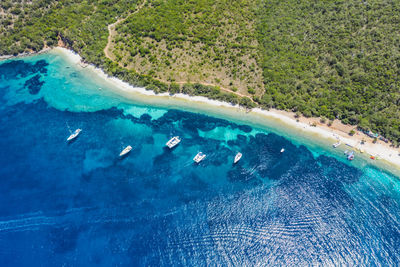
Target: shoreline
(28,54)
(327,135)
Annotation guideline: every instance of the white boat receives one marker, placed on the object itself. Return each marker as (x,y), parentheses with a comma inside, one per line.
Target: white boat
(282,150)
(237,157)
(199,157)
(350,156)
(74,135)
(125,151)
(173,142)
(335,145)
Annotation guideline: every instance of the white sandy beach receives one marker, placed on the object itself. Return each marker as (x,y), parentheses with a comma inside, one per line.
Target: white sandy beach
(301,126)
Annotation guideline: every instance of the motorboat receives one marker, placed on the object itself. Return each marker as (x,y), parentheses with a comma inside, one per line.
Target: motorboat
(335,145)
(282,150)
(199,157)
(174,141)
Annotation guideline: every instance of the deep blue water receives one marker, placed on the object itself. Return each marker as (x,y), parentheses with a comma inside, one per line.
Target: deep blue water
(78,204)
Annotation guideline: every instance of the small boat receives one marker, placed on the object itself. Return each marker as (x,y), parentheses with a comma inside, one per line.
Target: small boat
(335,145)
(125,151)
(199,157)
(74,135)
(282,150)
(237,157)
(346,152)
(350,156)
(173,142)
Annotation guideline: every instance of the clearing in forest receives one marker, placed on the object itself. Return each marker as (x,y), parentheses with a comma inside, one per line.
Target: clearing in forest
(206,41)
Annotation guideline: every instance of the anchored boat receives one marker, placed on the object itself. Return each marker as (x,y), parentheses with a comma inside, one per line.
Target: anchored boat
(199,157)
(282,150)
(174,141)
(350,156)
(125,151)
(237,157)
(335,145)
(74,135)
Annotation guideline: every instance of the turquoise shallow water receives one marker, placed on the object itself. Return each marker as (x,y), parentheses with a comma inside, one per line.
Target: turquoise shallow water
(78,204)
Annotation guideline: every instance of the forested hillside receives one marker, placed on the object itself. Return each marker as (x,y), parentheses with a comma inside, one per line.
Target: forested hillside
(336,59)
(208,41)
(333,58)
(30,25)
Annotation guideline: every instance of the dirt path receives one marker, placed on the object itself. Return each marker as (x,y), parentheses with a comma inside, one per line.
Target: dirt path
(112,32)
(222,88)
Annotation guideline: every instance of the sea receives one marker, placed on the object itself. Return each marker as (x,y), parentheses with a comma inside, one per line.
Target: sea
(80,204)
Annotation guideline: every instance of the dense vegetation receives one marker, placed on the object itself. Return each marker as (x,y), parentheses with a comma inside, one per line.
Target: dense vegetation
(81,24)
(333,58)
